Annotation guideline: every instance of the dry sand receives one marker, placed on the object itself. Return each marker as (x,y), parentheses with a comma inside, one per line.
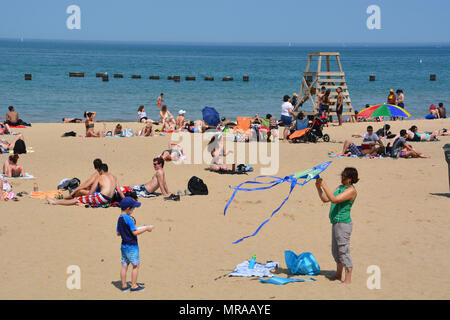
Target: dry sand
(401,223)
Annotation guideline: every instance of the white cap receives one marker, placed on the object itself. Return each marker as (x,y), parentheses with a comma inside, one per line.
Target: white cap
(181,111)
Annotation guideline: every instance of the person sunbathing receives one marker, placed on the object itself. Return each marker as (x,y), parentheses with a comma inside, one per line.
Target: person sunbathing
(401,149)
(414,135)
(6,146)
(147,131)
(89,123)
(107,184)
(174,153)
(217,150)
(158,181)
(4,128)
(71,120)
(11,168)
(84,188)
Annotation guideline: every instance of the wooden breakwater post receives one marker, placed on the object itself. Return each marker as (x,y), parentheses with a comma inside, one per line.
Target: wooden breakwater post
(432,77)
(118,76)
(76,74)
(27,76)
(371,77)
(170,78)
(209,78)
(154,77)
(136,76)
(245,78)
(227,79)
(100,75)
(105,77)
(190,78)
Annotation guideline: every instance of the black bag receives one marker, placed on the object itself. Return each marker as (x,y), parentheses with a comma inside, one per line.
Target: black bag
(117,198)
(197,186)
(69,134)
(20,147)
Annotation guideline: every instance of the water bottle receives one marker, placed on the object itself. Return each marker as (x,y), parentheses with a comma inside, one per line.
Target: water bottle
(36,188)
(251,265)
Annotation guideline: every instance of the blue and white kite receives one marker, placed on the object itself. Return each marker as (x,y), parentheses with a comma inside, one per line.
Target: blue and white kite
(307,175)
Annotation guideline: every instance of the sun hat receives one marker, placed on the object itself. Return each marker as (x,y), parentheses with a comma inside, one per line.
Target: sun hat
(129,202)
(432,107)
(182,111)
(294,94)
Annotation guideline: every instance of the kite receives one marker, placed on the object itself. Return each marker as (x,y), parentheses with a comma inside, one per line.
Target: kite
(307,175)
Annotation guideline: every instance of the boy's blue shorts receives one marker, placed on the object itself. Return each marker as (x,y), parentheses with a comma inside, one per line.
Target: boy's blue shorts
(130,254)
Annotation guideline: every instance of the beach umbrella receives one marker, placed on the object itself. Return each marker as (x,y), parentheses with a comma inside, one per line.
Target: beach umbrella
(383,110)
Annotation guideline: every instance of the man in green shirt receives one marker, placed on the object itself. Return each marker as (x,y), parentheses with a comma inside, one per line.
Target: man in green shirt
(341,203)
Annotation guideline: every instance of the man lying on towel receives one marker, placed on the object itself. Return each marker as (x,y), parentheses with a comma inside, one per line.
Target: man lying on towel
(108,187)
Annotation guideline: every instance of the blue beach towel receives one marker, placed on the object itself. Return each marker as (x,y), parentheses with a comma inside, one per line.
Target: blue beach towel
(281,281)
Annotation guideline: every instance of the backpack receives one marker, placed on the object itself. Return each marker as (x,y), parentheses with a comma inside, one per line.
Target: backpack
(20,147)
(197,186)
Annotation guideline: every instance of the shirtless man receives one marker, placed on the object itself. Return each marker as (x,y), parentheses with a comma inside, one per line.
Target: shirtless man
(320,97)
(12,117)
(159,181)
(108,185)
(84,188)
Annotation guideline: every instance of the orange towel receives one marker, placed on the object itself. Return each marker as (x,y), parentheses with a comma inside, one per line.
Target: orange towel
(43,194)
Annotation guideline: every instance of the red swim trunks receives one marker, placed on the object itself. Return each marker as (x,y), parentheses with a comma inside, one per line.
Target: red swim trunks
(95,199)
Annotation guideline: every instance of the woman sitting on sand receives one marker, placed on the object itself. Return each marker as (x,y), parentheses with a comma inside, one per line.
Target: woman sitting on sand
(167,119)
(89,123)
(217,149)
(174,153)
(401,149)
(4,128)
(10,167)
(142,115)
(147,131)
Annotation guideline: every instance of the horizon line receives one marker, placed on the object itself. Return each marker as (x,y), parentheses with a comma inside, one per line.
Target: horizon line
(278,43)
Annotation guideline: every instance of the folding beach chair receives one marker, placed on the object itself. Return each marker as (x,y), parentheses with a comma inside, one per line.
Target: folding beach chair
(243,128)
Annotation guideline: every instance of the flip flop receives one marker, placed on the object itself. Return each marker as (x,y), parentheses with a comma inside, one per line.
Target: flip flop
(138,288)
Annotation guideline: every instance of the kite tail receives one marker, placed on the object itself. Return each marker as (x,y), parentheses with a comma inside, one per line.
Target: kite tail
(293,184)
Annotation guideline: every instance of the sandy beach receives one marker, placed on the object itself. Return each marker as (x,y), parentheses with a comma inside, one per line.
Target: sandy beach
(401,223)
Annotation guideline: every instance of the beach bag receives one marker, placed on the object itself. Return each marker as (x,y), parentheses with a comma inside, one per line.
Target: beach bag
(20,147)
(127,133)
(197,187)
(304,264)
(69,134)
(6,186)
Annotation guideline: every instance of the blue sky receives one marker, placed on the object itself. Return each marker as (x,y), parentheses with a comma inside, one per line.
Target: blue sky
(260,21)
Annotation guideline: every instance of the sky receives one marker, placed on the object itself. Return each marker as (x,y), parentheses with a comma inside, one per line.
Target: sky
(229,21)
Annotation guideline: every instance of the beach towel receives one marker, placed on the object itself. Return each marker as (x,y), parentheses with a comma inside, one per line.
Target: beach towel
(96,199)
(8,195)
(29,150)
(260,269)
(42,194)
(229,171)
(281,281)
(27,176)
(21,127)
(142,193)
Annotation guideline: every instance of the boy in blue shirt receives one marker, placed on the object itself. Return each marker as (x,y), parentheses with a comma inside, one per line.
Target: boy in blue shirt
(126,228)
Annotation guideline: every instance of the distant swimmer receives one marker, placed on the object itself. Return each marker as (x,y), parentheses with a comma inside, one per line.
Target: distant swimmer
(160,100)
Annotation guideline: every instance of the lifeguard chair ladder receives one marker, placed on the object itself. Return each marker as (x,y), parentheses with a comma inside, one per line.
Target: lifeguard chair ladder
(313,81)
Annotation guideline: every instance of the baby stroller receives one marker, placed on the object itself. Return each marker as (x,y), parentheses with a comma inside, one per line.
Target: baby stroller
(316,132)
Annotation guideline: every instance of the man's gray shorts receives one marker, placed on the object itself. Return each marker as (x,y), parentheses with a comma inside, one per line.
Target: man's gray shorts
(340,243)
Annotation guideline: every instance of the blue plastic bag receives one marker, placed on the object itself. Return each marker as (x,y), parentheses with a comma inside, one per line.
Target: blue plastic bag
(304,264)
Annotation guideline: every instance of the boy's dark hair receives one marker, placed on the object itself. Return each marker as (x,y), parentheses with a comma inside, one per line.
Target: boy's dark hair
(300,115)
(413,128)
(351,173)
(89,114)
(340,88)
(440,104)
(159,160)
(323,88)
(369,128)
(268,116)
(286,98)
(97,163)
(10,108)
(104,167)
(402,132)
